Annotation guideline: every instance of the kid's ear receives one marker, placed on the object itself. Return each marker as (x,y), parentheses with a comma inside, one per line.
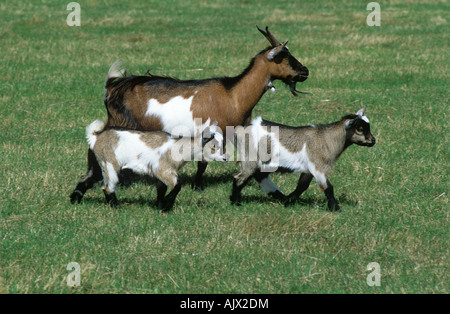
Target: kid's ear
(349,124)
(361,111)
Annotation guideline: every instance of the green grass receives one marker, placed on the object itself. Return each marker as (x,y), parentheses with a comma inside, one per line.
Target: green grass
(394,196)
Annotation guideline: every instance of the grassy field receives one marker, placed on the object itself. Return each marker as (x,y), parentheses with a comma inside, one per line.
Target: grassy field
(394,196)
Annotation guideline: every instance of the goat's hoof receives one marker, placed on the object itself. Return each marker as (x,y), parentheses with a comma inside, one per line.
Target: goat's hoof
(112,201)
(197,187)
(165,205)
(113,204)
(288,202)
(165,208)
(76,196)
(235,201)
(277,195)
(334,207)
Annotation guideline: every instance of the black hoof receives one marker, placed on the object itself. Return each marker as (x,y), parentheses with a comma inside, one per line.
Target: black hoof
(111,199)
(288,202)
(277,195)
(197,188)
(164,207)
(333,207)
(76,196)
(235,201)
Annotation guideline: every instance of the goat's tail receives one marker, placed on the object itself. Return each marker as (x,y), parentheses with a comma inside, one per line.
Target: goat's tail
(92,130)
(114,72)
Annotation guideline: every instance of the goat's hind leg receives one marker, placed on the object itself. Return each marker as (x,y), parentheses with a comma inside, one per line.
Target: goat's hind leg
(240,181)
(93,175)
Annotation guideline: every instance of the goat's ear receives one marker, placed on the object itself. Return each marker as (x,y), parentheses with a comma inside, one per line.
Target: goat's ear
(349,124)
(361,111)
(275,51)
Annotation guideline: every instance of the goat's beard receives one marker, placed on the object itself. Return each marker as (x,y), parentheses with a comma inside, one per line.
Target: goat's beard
(293,87)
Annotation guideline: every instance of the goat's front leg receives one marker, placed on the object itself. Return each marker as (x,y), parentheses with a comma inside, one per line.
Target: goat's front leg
(161,189)
(329,193)
(302,186)
(170,198)
(111,198)
(198,184)
(328,189)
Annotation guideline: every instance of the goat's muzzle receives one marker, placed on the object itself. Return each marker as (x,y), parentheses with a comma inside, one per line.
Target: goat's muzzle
(303,75)
(369,143)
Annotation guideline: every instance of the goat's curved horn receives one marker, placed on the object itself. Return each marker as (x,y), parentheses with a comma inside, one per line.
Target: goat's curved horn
(270,37)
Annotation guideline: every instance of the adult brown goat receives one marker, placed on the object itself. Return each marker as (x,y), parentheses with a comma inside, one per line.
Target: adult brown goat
(154,103)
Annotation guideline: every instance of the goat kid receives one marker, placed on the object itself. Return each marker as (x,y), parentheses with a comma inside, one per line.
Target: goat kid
(309,150)
(148,153)
(155,103)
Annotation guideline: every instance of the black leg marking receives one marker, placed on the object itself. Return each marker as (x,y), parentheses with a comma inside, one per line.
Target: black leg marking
(111,199)
(302,186)
(161,188)
(236,196)
(93,175)
(198,184)
(277,195)
(329,193)
(170,198)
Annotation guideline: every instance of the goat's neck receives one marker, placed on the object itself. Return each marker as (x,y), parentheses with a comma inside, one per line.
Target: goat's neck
(336,140)
(251,86)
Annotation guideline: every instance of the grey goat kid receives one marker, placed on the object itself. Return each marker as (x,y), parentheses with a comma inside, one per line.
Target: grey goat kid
(149,153)
(309,150)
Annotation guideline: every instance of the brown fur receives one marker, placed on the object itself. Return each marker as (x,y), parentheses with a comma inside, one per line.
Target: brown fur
(227,100)
(229,107)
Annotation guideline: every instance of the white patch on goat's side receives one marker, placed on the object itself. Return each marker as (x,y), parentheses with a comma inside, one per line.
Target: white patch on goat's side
(132,153)
(268,186)
(297,162)
(176,116)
